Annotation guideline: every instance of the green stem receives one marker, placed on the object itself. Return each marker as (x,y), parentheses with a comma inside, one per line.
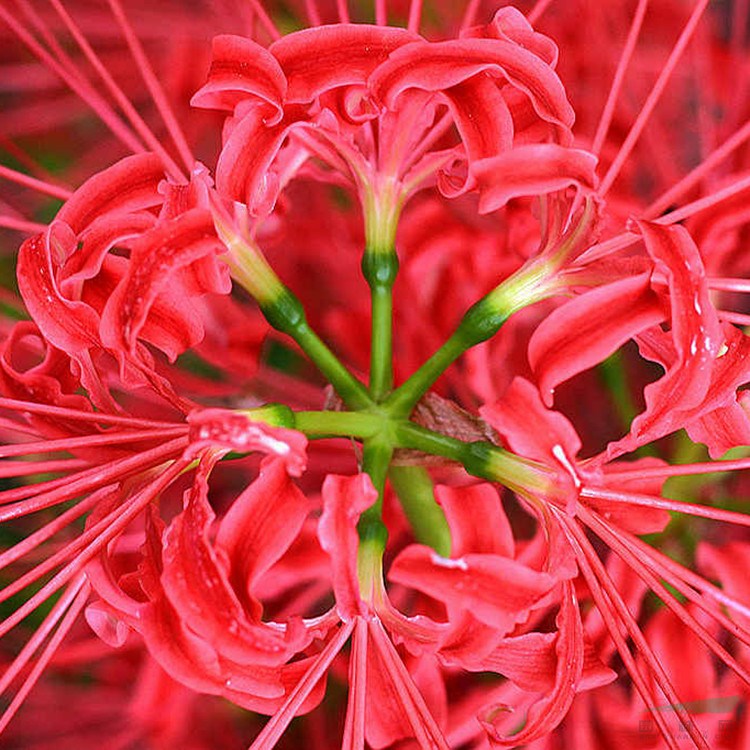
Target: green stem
(480,322)
(317,424)
(381,359)
(376,458)
(286,314)
(380,267)
(480,458)
(414,488)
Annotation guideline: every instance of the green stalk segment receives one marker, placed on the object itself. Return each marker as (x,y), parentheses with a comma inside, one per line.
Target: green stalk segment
(480,322)
(380,268)
(415,491)
(286,314)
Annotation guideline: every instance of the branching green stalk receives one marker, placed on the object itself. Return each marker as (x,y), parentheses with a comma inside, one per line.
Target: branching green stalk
(481,321)
(480,458)
(376,458)
(318,424)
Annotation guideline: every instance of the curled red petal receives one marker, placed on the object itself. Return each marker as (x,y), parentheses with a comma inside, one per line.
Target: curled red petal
(510,24)
(498,591)
(584,331)
(258,528)
(533,169)
(229,430)
(439,66)
(531,430)
(319,59)
(198,584)
(132,184)
(241,69)
(477,520)
(155,258)
(688,351)
(344,499)
(547,713)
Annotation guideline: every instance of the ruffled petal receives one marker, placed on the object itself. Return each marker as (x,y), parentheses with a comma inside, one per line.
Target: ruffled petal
(156,257)
(241,69)
(584,331)
(344,499)
(688,351)
(439,66)
(547,713)
(477,520)
(533,169)
(497,590)
(129,185)
(319,59)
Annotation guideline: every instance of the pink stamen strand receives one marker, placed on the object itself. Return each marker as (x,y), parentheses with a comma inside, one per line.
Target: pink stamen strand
(41,186)
(676,506)
(154,87)
(313,14)
(27,468)
(631,626)
(426,731)
(41,633)
(66,488)
(653,98)
(680,470)
(381,13)
(470,14)
(605,607)
(733,317)
(101,533)
(536,12)
(415,16)
(88,94)
(65,625)
(277,724)
(46,410)
(118,94)
(88,441)
(622,66)
(343,11)
(644,554)
(21,225)
(46,532)
(354,727)
(642,571)
(729,284)
(692,579)
(265,20)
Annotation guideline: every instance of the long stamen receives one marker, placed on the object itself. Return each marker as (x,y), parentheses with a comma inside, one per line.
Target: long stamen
(622,66)
(343,11)
(655,666)
(65,625)
(415,15)
(265,20)
(381,12)
(122,100)
(653,98)
(88,94)
(643,572)
(153,85)
(278,723)
(651,501)
(313,14)
(605,607)
(41,186)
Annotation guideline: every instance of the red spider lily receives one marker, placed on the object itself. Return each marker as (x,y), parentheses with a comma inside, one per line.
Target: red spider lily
(135,271)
